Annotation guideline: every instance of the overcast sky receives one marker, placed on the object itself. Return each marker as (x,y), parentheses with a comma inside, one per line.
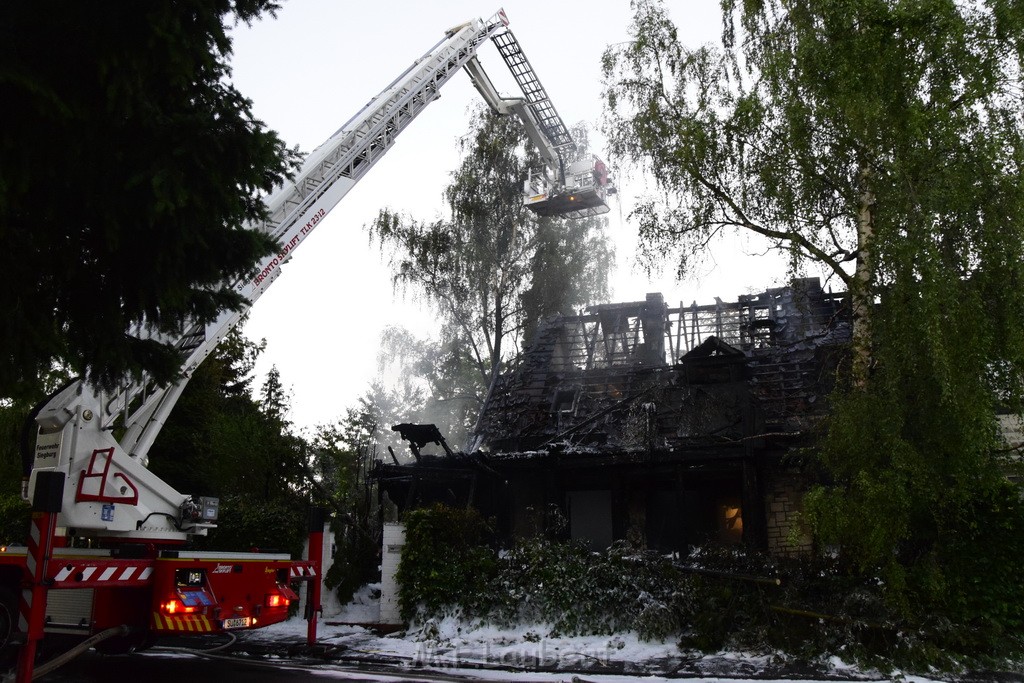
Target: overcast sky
(314,66)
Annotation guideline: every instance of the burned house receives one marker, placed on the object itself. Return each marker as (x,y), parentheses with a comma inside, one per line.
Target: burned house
(662,426)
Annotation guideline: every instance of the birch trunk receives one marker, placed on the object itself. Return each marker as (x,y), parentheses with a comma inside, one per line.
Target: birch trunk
(861,291)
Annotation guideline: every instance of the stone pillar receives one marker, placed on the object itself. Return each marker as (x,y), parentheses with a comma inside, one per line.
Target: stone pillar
(392,541)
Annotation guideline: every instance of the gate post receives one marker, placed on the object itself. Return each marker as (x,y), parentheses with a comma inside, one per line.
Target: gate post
(317,519)
(46,503)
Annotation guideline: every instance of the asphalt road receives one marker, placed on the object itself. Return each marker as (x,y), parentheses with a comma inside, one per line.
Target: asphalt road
(156,667)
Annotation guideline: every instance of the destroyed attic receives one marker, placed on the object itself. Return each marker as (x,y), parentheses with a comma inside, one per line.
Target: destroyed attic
(661,426)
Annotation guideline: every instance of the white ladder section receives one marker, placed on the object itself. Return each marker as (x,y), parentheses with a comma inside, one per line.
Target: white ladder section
(295,209)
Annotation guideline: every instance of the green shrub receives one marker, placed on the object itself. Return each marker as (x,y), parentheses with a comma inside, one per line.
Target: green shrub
(445,562)
(710,600)
(246,524)
(355,560)
(14,519)
(578,592)
(446,568)
(980,595)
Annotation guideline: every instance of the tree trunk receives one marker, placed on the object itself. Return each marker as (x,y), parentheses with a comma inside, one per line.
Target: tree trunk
(861,291)
(499,330)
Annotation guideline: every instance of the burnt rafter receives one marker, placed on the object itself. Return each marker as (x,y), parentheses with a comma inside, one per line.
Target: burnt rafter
(619,405)
(662,427)
(709,375)
(419,436)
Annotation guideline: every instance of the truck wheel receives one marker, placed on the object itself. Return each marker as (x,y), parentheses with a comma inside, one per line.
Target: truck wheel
(8,628)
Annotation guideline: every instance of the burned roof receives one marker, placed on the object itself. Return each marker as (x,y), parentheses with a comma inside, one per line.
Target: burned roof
(646,377)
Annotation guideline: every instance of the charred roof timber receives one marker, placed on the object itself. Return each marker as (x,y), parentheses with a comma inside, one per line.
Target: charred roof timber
(419,436)
(645,376)
(660,426)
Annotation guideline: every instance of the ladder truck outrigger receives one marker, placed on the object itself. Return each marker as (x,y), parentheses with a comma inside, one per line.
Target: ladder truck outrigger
(138,579)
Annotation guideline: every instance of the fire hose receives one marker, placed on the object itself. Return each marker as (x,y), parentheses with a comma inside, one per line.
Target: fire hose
(77,650)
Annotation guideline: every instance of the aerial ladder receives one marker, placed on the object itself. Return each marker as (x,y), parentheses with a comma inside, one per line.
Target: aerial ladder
(89,466)
(563,186)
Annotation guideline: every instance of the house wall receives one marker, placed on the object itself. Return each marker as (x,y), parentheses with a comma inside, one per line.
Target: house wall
(664,510)
(784,491)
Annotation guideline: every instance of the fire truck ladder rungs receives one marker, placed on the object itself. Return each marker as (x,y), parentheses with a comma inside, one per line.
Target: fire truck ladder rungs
(535,94)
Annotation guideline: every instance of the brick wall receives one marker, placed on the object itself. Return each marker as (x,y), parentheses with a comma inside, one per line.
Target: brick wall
(784,492)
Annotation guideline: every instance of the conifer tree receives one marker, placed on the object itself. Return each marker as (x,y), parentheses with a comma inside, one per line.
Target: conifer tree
(129,166)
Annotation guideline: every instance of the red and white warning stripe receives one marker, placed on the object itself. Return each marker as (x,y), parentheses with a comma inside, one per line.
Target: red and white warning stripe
(303,571)
(35,536)
(101,573)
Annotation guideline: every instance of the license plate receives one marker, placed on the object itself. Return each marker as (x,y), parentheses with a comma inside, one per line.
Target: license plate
(238,622)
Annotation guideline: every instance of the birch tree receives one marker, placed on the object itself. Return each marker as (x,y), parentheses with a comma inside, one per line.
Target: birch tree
(880,141)
(490,267)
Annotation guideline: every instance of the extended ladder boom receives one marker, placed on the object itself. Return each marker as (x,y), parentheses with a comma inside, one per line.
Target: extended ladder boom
(565,187)
(296,208)
(109,487)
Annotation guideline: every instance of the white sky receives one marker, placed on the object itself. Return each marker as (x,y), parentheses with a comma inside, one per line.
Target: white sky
(318,63)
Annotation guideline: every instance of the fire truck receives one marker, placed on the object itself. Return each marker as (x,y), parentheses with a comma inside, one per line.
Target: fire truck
(108,558)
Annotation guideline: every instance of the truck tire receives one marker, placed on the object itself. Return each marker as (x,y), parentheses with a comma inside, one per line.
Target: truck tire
(8,628)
